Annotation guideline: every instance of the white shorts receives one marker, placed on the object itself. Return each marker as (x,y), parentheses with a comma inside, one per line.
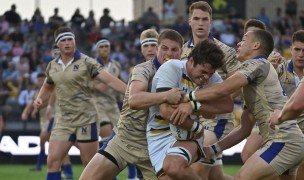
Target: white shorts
(158,151)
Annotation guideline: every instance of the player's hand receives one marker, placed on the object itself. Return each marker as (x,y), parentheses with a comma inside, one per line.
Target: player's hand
(274,119)
(38,103)
(174,96)
(34,113)
(275,59)
(181,113)
(24,116)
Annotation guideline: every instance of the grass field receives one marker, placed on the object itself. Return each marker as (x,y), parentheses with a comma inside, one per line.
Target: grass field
(21,172)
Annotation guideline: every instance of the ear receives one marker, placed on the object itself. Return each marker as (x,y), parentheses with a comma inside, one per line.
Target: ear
(256,45)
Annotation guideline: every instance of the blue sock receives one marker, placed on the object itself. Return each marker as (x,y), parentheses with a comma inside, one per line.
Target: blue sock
(139,173)
(53,176)
(40,159)
(131,171)
(115,178)
(67,169)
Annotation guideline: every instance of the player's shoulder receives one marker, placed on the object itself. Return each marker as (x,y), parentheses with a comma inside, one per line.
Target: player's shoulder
(224,47)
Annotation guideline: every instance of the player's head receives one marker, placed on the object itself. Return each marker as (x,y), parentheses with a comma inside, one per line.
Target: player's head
(203,60)
(65,40)
(148,41)
(255,43)
(40,79)
(103,48)
(254,24)
(55,51)
(200,19)
(297,48)
(170,44)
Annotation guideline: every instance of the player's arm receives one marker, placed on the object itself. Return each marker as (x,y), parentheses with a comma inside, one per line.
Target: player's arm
(27,110)
(235,136)
(139,98)
(291,110)
(226,88)
(112,81)
(44,94)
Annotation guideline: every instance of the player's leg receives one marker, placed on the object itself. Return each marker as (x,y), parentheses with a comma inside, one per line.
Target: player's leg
(275,160)
(57,150)
(109,159)
(176,164)
(253,143)
(300,172)
(87,142)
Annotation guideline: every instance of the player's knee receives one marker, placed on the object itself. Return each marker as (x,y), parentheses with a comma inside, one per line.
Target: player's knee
(172,170)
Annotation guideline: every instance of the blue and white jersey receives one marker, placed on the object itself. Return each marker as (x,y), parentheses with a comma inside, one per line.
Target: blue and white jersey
(171,74)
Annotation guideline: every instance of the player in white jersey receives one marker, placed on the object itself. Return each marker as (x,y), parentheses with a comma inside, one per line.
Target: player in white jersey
(172,158)
(200,20)
(128,143)
(281,151)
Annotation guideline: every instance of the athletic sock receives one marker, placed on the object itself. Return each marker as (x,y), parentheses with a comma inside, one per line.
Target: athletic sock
(40,159)
(139,173)
(53,176)
(131,171)
(67,170)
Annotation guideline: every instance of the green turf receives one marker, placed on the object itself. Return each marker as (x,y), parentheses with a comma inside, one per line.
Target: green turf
(21,172)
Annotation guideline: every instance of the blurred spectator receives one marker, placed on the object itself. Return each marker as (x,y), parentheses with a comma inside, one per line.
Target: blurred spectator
(6,45)
(228,38)
(17,35)
(23,67)
(169,12)
(302,18)
(4,25)
(77,20)
(4,93)
(90,22)
(106,20)
(55,21)
(12,17)
(181,26)
(263,17)
(11,73)
(37,21)
(25,95)
(291,7)
(17,49)
(150,19)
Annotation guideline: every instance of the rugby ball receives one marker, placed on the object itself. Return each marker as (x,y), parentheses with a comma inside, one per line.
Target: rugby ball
(181,134)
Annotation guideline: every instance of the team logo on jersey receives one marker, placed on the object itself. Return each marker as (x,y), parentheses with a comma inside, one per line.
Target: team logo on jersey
(84,130)
(76,67)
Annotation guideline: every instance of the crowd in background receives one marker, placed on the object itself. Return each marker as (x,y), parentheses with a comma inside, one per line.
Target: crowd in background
(25,44)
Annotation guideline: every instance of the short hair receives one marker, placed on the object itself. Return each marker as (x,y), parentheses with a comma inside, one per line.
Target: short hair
(254,23)
(202,5)
(101,38)
(41,75)
(266,40)
(62,30)
(148,33)
(298,36)
(172,35)
(54,46)
(207,52)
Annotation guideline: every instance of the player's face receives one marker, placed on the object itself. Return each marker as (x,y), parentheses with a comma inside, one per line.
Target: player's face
(40,81)
(67,46)
(104,51)
(200,22)
(168,49)
(244,48)
(200,73)
(297,53)
(149,51)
